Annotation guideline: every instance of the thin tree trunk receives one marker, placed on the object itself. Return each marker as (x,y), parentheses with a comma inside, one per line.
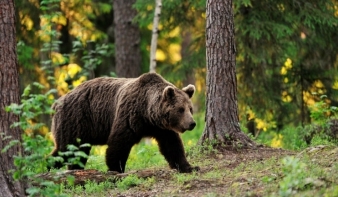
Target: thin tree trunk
(9,93)
(302,106)
(154,37)
(127,40)
(222,121)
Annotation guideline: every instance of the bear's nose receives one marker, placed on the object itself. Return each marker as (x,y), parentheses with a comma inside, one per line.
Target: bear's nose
(192,126)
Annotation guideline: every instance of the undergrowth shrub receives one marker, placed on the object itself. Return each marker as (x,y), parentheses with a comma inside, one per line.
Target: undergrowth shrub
(324,126)
(34,162)
(294,172)
(36,147)
(292,138)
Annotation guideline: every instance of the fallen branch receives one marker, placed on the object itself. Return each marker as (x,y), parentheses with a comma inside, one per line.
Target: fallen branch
(82,176)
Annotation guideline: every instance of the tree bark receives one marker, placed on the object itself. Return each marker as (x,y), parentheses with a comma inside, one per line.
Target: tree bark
(222,121)
(9,93)
(127,40)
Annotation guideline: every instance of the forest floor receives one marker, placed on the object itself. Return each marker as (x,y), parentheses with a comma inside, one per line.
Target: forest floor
(245,172)
(220,181)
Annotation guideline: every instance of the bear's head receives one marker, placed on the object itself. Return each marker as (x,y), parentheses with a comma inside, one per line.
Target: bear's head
(177,108)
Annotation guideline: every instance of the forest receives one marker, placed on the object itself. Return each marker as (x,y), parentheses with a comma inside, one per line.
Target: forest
(285,94)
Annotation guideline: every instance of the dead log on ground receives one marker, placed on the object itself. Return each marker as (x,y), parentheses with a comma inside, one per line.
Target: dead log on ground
(82,176)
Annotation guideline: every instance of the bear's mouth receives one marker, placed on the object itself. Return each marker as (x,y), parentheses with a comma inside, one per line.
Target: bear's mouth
(183,130)
(190,127)
(178,131)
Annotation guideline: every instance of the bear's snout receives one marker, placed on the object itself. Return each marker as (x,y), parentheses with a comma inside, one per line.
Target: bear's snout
(192,126)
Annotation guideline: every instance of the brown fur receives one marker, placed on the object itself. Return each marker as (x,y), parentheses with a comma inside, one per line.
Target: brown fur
(120,112)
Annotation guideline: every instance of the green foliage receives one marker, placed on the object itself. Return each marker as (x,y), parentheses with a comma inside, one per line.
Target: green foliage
(35,160)
(25,54)
(188,21)
(145,156)
(10,144)
(183,15)
(294,173)
(323,129)
(322,139)
(293,138)
(129,181)
(74,154)
(36,101)
(304,175)
(51,12)
(321,111)
(208,147)
(91,188)
(270,32)
(182,178)
(32,106)
(49,5)
(97,162)
(35,147)
(92,56)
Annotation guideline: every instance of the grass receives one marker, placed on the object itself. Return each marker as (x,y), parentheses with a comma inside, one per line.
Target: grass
(304,171)
(310,172)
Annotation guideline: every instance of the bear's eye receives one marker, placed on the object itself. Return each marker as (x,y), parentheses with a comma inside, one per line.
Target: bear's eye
(190,109)
(181,110)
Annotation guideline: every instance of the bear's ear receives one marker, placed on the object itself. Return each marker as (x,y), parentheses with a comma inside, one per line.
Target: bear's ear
(168,92)
(190,89)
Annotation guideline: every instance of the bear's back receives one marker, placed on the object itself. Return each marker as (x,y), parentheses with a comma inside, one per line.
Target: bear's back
(91,109)
(88,110)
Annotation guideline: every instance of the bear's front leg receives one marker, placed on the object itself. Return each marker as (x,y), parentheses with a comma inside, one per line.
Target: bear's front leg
(171,147)
(119,146)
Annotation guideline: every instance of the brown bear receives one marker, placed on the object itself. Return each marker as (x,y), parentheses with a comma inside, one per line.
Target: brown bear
(120,112)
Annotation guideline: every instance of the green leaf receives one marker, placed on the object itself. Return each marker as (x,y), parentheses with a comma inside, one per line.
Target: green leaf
(38,85)
(26,91)
(11,144)
(72,147)
(32,191)
(70,180)
(81,154)
(85,145)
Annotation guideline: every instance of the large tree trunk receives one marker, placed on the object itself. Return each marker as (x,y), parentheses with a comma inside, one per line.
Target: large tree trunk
(222,121)
(9,93)
(127,40)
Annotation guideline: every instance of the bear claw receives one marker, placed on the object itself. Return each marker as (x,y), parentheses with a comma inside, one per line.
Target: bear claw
(189,169)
